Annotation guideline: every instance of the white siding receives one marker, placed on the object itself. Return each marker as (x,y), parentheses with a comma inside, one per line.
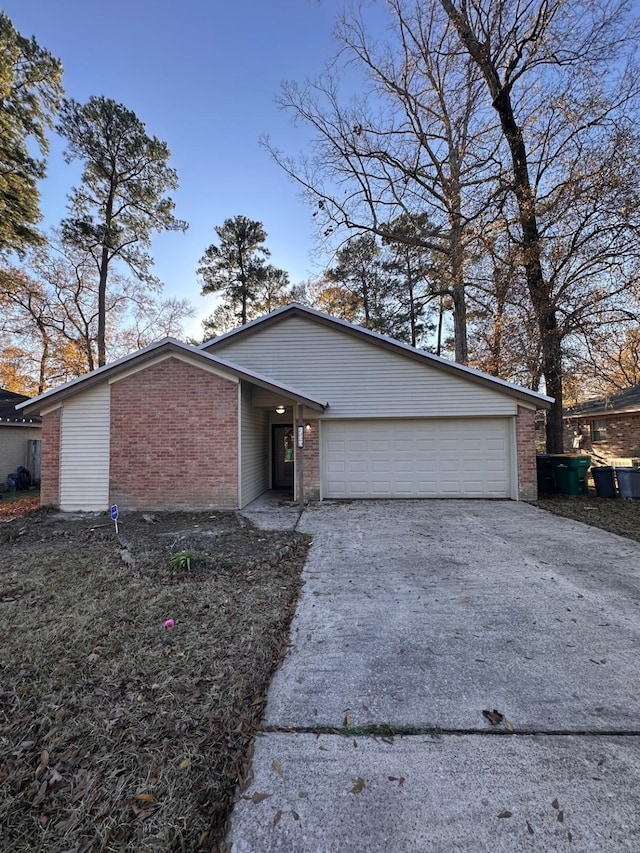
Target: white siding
(84,451)
(463,458)
(254,451)
(358,378)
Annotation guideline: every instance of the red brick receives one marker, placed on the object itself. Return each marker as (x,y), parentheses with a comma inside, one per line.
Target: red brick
(311,451)
(174,439)
(526,453)
(50,465)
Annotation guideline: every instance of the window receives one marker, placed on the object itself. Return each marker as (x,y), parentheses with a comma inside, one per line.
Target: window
(598,430)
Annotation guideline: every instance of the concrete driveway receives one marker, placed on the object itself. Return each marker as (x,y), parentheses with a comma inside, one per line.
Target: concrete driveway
(415,617)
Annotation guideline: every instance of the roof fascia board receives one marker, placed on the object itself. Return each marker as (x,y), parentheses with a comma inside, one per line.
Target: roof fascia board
(296,309)
(602,412)
(188,359)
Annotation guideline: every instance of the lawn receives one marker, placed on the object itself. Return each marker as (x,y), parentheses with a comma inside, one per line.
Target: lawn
(119,729)
(612,514)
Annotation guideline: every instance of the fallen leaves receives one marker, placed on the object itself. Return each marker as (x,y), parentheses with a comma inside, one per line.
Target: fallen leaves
(145,798)
(126,737)
(259,797)
(359,785)
(494,717)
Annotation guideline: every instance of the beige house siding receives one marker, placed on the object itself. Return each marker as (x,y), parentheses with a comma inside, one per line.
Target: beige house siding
(84,451)
(14,449)
(358,378)
(254,449)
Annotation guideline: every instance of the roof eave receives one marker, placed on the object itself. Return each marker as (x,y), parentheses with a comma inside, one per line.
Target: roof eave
(541,401)
(167,345)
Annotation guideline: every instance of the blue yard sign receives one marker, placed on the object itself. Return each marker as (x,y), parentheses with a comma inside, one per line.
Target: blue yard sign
(114,515)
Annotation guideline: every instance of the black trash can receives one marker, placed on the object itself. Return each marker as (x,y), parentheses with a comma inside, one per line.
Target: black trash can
(546,477)
(604,481)
(628,483)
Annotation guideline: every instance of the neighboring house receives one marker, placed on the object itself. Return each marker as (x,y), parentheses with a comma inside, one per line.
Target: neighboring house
(19,438)
(217,425)
(607,427)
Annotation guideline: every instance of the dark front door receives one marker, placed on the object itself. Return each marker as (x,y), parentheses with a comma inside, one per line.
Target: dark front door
(282,437)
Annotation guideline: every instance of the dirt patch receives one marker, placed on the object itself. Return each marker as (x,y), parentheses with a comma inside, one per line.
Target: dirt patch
(116,732)
(612,514)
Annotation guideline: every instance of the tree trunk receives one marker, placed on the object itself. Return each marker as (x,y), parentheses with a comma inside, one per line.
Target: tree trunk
(458,295)
(539,291)
(102,284)
(440,325)
(44,359)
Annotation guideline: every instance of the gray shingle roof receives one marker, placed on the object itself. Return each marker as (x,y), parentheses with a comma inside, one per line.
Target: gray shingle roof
(627,400)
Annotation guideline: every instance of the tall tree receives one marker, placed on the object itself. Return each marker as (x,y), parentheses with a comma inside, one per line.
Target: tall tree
(507,122)
(235,266)
(370,286)
(515,46)
(49,310)
(30,93)
(414,145)
(123,196)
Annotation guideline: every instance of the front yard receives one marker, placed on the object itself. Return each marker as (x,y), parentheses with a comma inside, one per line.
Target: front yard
(612,514)
(133,684)
(132,687)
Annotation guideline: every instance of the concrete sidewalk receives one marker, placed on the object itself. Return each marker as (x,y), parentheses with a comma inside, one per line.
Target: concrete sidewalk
(416,616)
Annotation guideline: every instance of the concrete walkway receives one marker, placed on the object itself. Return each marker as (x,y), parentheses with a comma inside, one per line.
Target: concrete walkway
(273,510)
(414,618)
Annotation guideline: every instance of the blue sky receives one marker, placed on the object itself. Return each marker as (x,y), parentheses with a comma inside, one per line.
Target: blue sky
(203,75)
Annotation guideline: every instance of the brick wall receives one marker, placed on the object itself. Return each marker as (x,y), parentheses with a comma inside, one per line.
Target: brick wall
(526,448)
(50,464)
(311,461)
(174,439)
(623,436)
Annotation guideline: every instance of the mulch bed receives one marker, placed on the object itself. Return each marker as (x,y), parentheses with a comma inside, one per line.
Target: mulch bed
(116,732)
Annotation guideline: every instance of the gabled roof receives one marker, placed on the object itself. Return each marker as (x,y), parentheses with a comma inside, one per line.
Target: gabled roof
(625,401)
(541,401)
(8,414)
(165,346)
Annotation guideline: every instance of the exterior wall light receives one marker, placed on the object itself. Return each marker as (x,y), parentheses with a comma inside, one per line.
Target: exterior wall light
(307,427)
(280,410)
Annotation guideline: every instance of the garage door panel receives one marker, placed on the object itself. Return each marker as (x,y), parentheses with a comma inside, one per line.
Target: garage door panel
(435,458)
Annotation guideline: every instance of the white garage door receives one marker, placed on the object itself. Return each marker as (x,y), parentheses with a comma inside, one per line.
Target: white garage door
(449,458)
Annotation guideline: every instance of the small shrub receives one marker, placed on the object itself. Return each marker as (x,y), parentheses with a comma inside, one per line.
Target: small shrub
(180,561)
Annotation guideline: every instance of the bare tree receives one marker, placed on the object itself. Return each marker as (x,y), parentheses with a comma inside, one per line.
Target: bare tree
(540,63)
(415,146)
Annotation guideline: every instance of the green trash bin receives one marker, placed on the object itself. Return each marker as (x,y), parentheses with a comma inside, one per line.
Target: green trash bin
(570,470)
(546,476)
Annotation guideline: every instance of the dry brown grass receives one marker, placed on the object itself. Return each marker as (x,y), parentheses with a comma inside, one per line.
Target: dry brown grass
(612,514)
(117,733)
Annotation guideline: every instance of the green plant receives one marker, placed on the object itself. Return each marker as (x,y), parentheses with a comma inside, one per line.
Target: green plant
(180,561)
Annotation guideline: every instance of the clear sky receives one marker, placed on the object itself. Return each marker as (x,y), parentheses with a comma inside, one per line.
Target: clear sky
(203,76)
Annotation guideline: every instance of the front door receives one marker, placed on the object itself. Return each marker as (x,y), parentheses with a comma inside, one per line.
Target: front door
(282,437)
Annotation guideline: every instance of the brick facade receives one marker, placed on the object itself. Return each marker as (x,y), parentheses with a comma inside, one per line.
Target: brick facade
(622,436)
(311,474)
(526,452)
(50,465)
(174,439)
